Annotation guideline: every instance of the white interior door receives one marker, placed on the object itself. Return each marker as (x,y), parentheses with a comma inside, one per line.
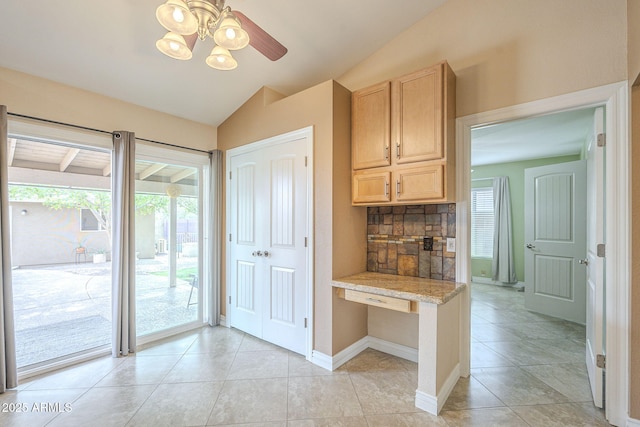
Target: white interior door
(555,236)
(247,191)
(595,263)
(268,248)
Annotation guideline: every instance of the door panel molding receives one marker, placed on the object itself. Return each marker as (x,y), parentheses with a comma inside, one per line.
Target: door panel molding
(555,227)
(278,234)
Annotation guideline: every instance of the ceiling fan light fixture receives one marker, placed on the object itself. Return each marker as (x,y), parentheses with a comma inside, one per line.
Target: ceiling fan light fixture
(175,16)
(190,20)
(175,46)
(221,59)
(230,34)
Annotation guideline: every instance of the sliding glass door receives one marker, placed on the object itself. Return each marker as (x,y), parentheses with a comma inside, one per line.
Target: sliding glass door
(168,240)
(60,220)
(60,216)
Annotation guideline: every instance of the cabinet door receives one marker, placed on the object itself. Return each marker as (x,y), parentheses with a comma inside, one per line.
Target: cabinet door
(371,187)
(419,184)
(418,116)
(370,124)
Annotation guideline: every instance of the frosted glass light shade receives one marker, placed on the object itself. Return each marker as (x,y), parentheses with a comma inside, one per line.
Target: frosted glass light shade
(221,59)
(230,34)
(175,16)
(174,45)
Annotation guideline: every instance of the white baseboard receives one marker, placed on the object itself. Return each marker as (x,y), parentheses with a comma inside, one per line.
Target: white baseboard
(433,404)
(321,360)
(424,401)
(402,351)
(333,363)
(223,321)
(632,422)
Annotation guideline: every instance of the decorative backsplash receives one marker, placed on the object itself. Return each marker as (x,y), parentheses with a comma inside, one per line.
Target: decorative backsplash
(395,240)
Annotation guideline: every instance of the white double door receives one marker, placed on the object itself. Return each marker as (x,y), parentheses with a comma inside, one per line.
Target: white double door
(268,223)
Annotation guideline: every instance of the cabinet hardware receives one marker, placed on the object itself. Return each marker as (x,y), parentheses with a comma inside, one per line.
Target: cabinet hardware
(386,189)
(397,150)
(397,187)
(386,152)
(379,301)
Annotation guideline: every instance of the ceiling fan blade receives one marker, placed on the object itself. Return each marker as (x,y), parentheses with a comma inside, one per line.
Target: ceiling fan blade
(260,39)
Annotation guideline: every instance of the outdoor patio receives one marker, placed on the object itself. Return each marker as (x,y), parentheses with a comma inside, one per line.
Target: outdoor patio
(66,308)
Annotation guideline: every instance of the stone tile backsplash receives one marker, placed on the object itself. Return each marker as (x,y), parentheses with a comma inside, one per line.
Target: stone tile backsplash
(395,240)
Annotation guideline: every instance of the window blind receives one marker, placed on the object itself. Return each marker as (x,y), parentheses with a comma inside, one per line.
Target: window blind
(482,222)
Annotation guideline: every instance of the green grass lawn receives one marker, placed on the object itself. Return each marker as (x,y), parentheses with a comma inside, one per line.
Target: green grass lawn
(182,273)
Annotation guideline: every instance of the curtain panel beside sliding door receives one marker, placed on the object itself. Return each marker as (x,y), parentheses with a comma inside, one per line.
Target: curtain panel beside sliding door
(123,244)
(214,229)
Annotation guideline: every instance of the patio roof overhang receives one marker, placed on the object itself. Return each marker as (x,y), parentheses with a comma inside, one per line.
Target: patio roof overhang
(46,164)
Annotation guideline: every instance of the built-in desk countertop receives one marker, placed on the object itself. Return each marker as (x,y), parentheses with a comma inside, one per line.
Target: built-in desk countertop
(410,288)
(443,321)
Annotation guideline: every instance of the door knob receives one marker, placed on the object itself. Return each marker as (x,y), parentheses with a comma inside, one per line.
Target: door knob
(530,246)
(266,253)
(583,261)
(256,253)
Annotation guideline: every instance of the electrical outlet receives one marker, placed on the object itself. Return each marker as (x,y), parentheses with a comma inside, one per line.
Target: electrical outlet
(451,244)
(428,243)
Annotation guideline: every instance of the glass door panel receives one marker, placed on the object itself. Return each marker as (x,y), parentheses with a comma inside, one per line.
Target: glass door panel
(168,246)
(60,214)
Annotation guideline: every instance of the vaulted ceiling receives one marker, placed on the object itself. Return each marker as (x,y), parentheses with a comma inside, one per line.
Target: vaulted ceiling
(108,47)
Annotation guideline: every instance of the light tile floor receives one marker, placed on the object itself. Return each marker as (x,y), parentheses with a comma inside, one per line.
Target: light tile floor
(527,370)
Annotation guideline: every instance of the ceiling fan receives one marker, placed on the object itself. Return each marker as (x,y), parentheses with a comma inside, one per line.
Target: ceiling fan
(189,20)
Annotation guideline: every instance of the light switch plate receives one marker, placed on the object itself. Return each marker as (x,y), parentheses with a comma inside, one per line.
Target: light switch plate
(451,244)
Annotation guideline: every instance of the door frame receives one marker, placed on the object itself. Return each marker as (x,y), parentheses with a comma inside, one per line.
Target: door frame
(306,134)
(615,97)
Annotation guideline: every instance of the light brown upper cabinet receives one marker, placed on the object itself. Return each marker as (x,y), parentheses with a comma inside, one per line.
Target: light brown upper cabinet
(403,140)
(372,129)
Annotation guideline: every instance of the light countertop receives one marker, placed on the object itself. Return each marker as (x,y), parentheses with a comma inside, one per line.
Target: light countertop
(406,287)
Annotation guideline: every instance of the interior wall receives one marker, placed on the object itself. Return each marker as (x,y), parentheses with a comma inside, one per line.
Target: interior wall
(349,254)
(339,229)
(481,267)
(45,99)
(507,52)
